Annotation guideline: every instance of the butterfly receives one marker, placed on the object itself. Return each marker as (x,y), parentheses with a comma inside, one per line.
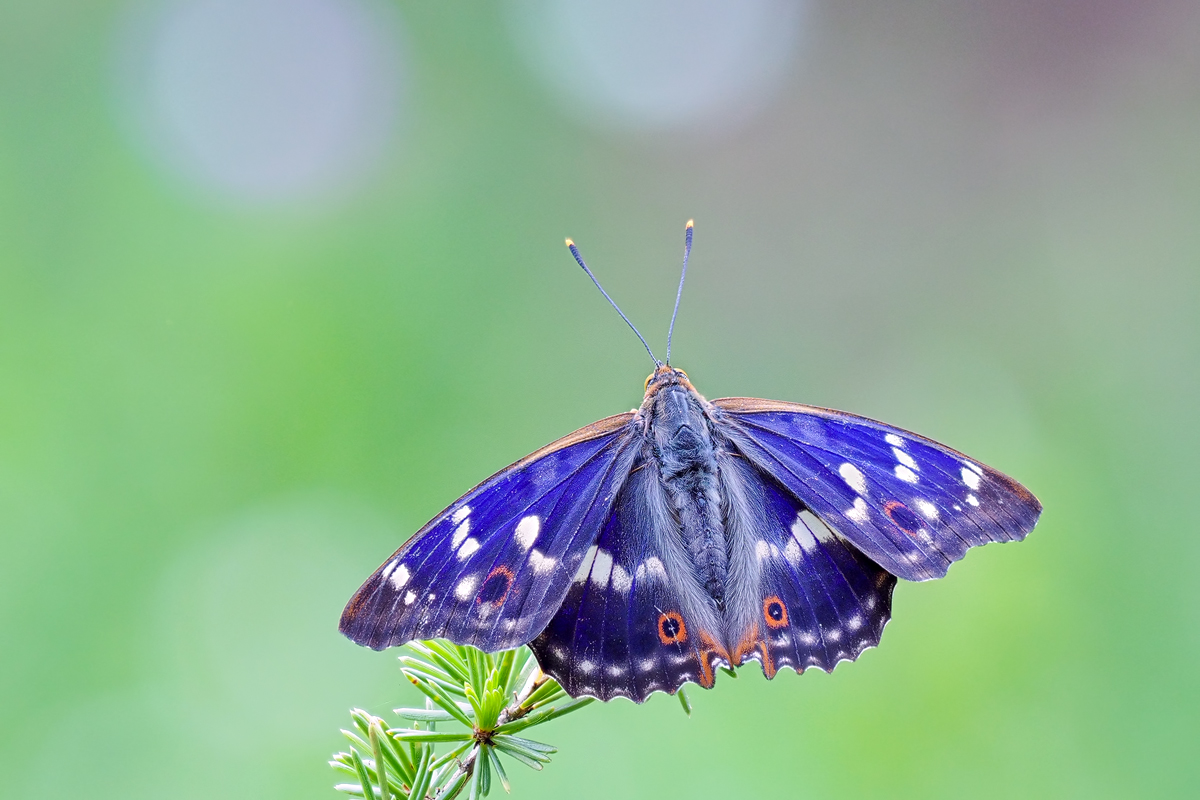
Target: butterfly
(651,548)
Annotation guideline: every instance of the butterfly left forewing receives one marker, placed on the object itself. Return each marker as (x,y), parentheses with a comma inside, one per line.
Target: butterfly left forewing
(490,569)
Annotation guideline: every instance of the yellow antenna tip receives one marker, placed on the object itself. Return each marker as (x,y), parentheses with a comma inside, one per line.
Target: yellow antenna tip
(570,243)
(691,223)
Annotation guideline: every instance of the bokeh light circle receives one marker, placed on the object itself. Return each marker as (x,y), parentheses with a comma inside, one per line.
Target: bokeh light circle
(262,101)
(704,65)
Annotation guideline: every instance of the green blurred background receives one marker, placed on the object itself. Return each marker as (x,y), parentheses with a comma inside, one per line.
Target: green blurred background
(280,279)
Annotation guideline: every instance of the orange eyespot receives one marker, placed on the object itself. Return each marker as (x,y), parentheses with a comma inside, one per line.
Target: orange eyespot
(495,587)
(671,629)
(775,612)
(903,518)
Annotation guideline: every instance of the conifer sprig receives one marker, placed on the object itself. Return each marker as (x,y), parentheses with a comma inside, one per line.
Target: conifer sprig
(485,699)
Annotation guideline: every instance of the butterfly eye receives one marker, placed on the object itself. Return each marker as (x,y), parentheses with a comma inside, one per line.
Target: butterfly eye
(495,587)
(671,629)
(775,612)
(649,378)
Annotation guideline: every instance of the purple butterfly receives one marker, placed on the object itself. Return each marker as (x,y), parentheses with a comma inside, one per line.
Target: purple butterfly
(650,548)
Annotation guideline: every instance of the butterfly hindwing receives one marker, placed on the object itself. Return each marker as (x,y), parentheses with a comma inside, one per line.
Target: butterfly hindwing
(635,619)
(491,569)
(818,600)
(910,504)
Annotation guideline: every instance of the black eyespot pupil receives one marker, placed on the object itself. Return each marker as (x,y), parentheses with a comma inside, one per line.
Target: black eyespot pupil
(670,627)
(775,611)
(494,588)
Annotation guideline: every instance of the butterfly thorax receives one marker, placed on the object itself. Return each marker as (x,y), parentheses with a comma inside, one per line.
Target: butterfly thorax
(682,449)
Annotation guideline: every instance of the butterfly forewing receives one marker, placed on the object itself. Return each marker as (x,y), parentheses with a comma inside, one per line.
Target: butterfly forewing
(492,568)
(910,504)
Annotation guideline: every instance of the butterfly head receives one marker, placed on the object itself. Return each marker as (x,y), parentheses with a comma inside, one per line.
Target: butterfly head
(664,376)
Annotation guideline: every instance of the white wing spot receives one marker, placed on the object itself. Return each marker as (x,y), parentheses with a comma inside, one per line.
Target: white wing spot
(859,512)
(978,470)
(855,622)
(400,577)
(585,566)
(527,529)
(621,581)
(387,569)
(602,568)
(409,597)
(893,439)
(460,533)
(616,670)
(647,665)
(970,478)
(465,588)
(460,514)
(541,563)
(468,547)
(973,500)
(587,667)
(792,552)
(905,459)
(928,509)
(762,549)
(801,534)
(808,530)
(905,474)
(853,477)
(651,567)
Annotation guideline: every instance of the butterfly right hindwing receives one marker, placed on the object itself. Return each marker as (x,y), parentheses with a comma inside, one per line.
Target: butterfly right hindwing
(817,599)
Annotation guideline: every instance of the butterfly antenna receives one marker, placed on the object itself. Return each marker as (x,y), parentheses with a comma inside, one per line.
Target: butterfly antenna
(687,251)
(579,259)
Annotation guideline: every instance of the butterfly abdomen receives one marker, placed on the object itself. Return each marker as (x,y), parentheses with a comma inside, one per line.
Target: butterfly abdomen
(683,450)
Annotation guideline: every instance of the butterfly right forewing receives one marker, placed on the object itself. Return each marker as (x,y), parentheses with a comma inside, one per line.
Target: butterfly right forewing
(912,505)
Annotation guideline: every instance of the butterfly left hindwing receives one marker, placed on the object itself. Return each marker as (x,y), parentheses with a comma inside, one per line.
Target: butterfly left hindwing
(634,619)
